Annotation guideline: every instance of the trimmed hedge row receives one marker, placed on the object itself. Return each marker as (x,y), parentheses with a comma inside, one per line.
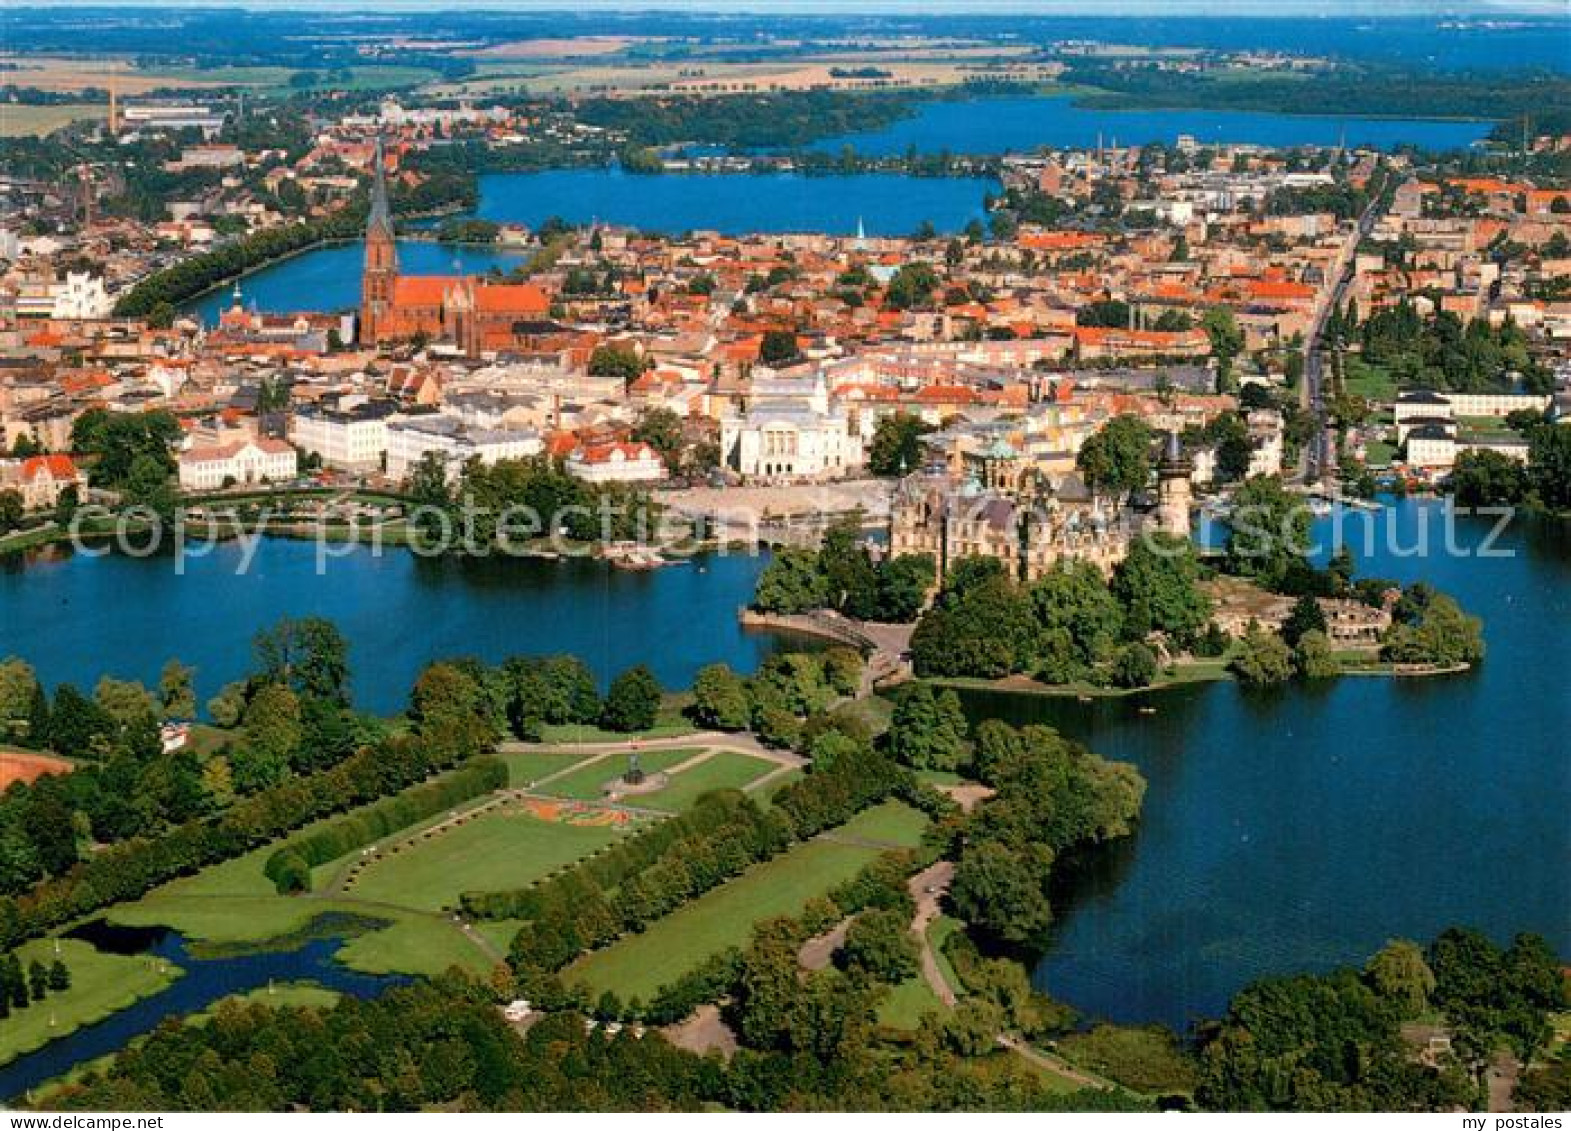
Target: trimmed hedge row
(608,869)
(577,910)
(132,868)
(290,867)
(880,883)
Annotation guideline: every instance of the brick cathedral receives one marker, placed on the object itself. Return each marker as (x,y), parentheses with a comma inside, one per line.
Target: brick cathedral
(474,313)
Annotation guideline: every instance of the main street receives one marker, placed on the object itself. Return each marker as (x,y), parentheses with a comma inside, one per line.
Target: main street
(1319,459)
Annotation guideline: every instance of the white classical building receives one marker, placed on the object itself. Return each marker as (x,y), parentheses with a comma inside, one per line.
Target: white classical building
(410,438)
(242,461)
(351,437)
(81,296)
(616,463)
(790,431)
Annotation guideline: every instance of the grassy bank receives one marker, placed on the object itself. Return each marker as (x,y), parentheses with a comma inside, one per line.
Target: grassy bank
(101,984)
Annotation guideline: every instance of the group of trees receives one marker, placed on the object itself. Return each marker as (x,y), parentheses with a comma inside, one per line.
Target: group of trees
(1483,477)
(1071,623)
(1333,1042)
(843,576)
(130,452)
(783,701)
(1049,795)
(20,988)
(123,785)
(1442,352)
(896,448)
(130,817)
(650,874)
(290,866)
(510,503)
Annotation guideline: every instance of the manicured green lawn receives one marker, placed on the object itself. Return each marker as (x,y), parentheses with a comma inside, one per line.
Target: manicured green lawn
(725,769)
(278,996)
(670,723)
(1368,381)
(908,1002)
(893,822)
(101,984)
(938,932)
(588,784)
(503,848)
(523,770)
(234,903)
(639,965)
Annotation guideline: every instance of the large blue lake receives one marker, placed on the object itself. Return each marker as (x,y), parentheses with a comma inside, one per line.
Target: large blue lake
(1021,124)
(1300,829)
(885,204)
(1284,831)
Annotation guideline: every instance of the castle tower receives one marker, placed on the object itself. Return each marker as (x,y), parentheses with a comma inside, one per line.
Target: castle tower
(1173,488)
(381,258)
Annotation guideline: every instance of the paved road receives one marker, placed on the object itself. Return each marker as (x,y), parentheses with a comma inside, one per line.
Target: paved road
(1320,452)
(714,740)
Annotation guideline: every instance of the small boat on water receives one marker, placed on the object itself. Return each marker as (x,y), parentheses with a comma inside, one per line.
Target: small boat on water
(627,555)
(1148,710)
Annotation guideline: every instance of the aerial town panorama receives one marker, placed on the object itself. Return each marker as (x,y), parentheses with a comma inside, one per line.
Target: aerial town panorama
(757,558)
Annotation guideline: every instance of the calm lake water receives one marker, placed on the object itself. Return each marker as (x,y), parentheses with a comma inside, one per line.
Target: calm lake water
(1004,125)
(203,982)
(68,615)
(329,278)
(1301,829)
(887,204)
(1282,831)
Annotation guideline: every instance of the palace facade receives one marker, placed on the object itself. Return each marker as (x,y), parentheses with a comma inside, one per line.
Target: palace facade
(1028,519)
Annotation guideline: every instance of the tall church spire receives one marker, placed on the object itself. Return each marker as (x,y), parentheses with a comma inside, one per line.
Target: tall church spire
(381,258)
(381,216)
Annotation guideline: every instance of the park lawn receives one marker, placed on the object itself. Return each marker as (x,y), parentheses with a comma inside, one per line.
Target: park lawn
(908,1003)
(893,823)
(766,795)
(420,943)
(639,965)
(725,769)
(233,903)
(669,724)
(101,984)
(526,767)
(938,933)
(588,784)
(1372,382)
(503,848)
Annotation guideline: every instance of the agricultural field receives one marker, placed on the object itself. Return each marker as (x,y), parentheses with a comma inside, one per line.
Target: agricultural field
(40,121)
(638,966)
